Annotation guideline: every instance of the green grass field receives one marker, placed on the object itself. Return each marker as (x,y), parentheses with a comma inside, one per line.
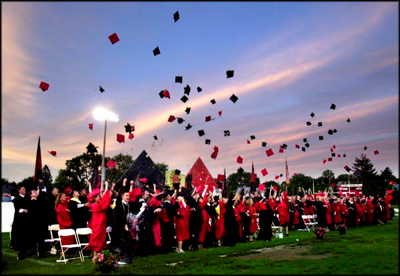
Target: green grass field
(361,251)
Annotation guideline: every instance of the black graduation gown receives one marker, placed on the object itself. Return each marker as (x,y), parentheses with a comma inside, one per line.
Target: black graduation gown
(78,215)
(195,222)
(121,240)
(167,228)
(265,220)
(321,213)
(20,226)
(231,227)
(50,208)
(38,227)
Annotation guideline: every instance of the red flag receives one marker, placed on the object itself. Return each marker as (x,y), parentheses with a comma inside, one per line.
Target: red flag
(253,175)
(91,126)
(38,166)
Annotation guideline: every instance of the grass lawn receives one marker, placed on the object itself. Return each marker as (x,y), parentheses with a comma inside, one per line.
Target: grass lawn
(361,251)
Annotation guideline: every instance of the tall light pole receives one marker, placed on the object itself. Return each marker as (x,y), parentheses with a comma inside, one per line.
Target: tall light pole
(102,114)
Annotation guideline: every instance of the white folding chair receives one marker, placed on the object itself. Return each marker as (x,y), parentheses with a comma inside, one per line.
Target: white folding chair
(66,247)
(276,227)
(109,238)
(309,222)
(83,232)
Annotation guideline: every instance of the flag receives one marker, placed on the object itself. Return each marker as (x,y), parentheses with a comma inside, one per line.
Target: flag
(287,173)
(38,167)
(224,184)
(252,178)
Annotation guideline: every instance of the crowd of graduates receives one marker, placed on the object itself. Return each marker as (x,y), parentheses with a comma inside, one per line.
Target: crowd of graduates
(143,220)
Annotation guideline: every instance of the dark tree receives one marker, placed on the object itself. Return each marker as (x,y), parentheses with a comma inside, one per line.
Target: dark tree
(364,173)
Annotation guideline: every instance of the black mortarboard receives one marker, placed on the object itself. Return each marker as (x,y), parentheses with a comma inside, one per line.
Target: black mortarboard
(307,145)
(91,148)
(213,101)
(309,123)
(186,89)
(233,98)
(320,124)
(208,141)
(180,120)
(365,147)
(227,133)
(177,172)
(344,155)
(333,106)
(229,73)
(333,154)
(101,89)
(348,120)
(303,149)
(189,126)
(156,51)
(176,16)
(240,170)
(161,94)
(128,128)
(184,99)
(334,130)
(281,175)
(178,79)
(321,137)
(187,110)
(284,146)
(330,132)
(252,137)
(199,89)
(305,140)
(264,144)
(155,137)
(201,132)
(312,114)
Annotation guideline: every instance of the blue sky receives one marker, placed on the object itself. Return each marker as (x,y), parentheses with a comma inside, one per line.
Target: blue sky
(289,58)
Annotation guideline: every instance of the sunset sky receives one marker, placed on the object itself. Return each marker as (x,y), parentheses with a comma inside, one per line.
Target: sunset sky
(290,59)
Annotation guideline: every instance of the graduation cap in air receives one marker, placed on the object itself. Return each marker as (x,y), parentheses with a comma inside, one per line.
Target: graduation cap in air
(312,114)
(201,132)
(320,124)
(91,148)
(187,110)
(189,126)
(324,161)
(53,152)
(184,99)
(227,133)
(348,120)
(208,118)
(330,159)
(333,154)
(130,136)
(213,101)
(264,144)
(338,155)
(330,132)
(347,168)
(333,106)
(91,126)
(376,152)
(215,153)
(321,137)
(165,93)
(180,120)
(269,152)
(334,130)
(303,149)
(248,141)
(199,89)
(101,89)
(252,137)
(240,170)
(264,172)
(229,73)
(365,147)
(120,138)
(178,79)
(281,175)
(208,141)
(305,140)
(276,177)
(186,89)
(307,145)
(297,146)
(128,128)
(111,164)
(239,159)
(44,86)
(171,118)
(155,137)
(344,155)
(281,150)
(177,172)
(176,16)
(220,113)
(234,98)
(113,38)
(309,123)
(284,146)
(156,51)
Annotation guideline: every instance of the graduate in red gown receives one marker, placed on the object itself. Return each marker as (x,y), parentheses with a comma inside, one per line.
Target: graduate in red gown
(253,218)
(328,212)
(205,226)
(220,224)
(388,198)
(371,211)
(155,205)
(182,222)
(359,217)
(337,212)
(236,209)
(99,206)
(283,210)
(63,217)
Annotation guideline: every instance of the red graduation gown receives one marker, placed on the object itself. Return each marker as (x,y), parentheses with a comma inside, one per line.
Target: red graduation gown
(64,221)
(337,210)
(205,226)
(328,213)
(253,215)
(220,224)
(283,213)
(182,222)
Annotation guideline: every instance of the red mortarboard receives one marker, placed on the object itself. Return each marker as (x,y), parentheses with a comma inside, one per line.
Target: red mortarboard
(324,161)
(215,153)
(332,150)
(248,141)
(294,174)
(274,187)
(91,126)
(131,136)
(239,160)
(208,118)
(338,155)
(44,86)
(114,38)
(347,168)
(120,138)
(264,172)
(67,190)
(334,146)
(391,182)
(277,176)
(53,152)
(269,152)
(166,94)
(144,180)
(171,118)
(221,177)
(389,191)
(220,113)
(93,194)
(330,159)
(376,152)
(281,150)
(111,164)
(297,146)
(333,185)
(261,187)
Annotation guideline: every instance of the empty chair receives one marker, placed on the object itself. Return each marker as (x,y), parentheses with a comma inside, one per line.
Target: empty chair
(83,232)
(66,247)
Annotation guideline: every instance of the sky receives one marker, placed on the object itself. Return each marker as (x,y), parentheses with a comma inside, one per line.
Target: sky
(290,59)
